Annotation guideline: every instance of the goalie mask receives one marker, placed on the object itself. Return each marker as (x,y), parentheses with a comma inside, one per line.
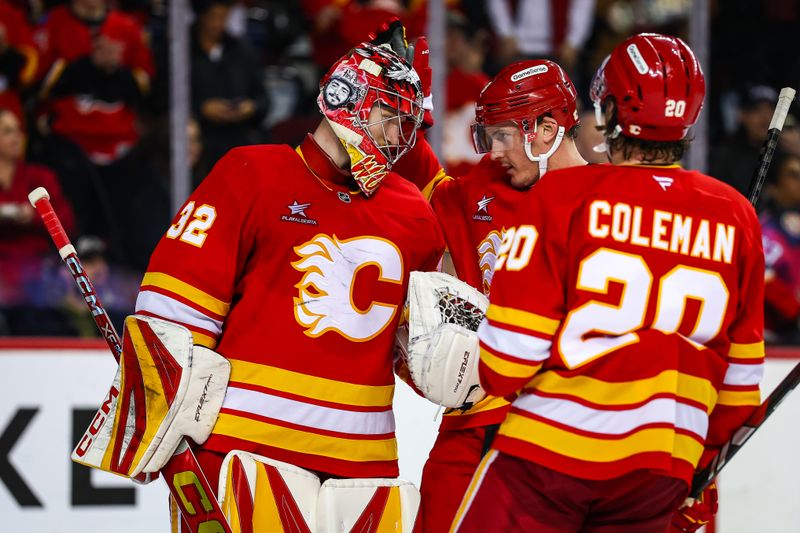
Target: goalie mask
(521,93)
(367,77)
(657,85)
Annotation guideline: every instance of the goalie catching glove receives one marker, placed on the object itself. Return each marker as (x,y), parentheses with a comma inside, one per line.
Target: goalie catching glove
(165,389)
(442,353)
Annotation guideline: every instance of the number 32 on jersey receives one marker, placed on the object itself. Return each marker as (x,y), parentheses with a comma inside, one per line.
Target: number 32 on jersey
(193,232)
(597,328)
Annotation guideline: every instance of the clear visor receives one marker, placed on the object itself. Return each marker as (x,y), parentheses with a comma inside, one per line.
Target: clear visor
(496,138)
(395,132)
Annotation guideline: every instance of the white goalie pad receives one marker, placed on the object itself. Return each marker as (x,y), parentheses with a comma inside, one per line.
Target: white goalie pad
(261,494)
(443,317)
(165,389)
(367,505)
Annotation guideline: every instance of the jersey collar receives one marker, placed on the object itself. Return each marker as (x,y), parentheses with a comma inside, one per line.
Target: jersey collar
(322,166)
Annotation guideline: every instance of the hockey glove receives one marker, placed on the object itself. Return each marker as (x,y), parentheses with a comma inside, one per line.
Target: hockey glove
(696,513)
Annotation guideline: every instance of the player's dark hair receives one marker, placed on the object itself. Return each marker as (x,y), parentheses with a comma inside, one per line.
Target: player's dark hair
(650,151)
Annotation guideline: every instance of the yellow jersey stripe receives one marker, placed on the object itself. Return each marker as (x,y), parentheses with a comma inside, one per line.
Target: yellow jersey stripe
(522,319)
(191,293)
(627,392)
(203,340)
(296,440)
(747,351)
(587,448)
(739,398)
(440,177)
(687,448)
(507,368)
(324,389)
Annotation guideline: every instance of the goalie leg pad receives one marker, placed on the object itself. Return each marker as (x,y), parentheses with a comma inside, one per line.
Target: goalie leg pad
(370,504)
(164,389)
(262,494)
(443,354)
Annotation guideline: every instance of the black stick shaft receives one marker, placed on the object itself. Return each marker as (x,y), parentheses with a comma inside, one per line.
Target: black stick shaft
(722,456)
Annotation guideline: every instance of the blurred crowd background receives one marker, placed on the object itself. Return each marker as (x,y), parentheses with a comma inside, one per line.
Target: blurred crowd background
(84,111)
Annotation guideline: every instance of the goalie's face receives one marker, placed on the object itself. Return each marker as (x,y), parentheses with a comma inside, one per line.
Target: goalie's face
(506,145)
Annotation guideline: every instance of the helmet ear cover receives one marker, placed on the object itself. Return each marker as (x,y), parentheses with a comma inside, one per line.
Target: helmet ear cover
(367,77)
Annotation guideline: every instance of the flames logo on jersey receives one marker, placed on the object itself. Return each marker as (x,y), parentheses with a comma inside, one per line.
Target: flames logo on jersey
(330,266)
(487,254)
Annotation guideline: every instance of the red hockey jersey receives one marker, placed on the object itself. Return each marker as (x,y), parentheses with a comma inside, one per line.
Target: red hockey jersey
(626,304)
(474,210)
(300,283)
(96,118)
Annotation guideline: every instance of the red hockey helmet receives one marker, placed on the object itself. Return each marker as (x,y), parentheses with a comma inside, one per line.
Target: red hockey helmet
(521,93)
(657,84)
(366,76)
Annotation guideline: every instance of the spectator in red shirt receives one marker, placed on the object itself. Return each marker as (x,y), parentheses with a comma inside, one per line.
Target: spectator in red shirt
(98,69)
(19,57)
(24,241)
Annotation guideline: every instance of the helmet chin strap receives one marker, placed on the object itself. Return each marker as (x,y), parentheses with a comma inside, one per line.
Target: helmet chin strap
(542,158)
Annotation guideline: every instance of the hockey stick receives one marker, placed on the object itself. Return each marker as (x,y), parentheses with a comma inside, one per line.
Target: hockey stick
(199,507)
(724,454)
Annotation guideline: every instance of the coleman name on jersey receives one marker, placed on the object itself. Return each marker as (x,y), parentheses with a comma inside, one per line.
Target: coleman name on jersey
(663,230)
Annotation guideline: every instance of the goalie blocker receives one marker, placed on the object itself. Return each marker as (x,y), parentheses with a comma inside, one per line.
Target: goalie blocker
(442,354)
(165,389)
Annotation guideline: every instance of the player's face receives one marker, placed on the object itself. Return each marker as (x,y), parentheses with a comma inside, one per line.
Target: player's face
(508,148)
(11,140)
(384,125)
(788,183)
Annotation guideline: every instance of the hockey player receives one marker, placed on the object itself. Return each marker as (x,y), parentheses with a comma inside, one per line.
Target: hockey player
(526,120)
(293,265)
(626,311)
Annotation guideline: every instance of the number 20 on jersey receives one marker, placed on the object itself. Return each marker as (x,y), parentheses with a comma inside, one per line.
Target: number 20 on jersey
(516,248)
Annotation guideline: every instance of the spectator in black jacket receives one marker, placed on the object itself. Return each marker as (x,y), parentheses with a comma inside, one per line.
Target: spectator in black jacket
(228,95)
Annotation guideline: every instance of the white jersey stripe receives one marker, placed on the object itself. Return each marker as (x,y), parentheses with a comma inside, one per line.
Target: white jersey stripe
(615,422)
(308,415)
(515,344)
(744,374)
(172,309)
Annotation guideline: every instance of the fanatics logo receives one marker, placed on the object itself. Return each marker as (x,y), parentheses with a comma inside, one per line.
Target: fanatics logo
(298,214)
(483,207)
(663,181)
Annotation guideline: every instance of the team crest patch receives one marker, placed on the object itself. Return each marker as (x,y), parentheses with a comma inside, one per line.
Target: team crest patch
(297,213)
(482,211)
